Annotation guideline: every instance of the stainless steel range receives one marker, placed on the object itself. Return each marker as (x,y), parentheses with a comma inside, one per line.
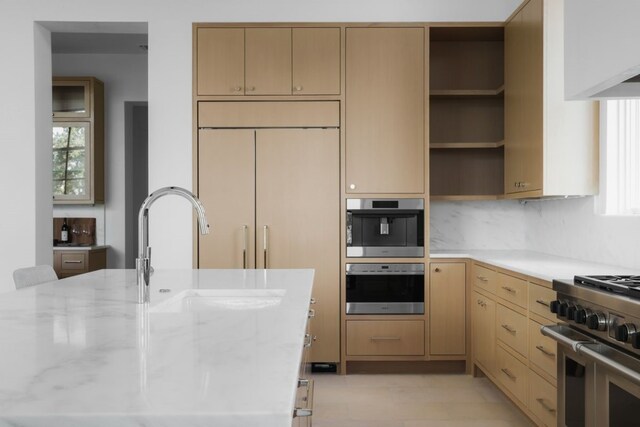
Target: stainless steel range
(599,350)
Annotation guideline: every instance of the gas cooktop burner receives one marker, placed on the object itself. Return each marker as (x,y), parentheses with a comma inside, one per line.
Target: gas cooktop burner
(625,285)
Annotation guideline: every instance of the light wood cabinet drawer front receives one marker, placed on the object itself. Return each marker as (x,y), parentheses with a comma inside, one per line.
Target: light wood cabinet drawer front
(539,300)
(512,289)
(268,114)
(511,329)
(385,338)
(73,261)
(484,278)
(542,350)
(512,374)
(543,399)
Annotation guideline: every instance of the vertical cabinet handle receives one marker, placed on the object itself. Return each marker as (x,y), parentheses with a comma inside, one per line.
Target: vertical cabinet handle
(265,244)
(245,244)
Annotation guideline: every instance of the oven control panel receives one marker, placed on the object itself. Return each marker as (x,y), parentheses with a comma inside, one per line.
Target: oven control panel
(621,329)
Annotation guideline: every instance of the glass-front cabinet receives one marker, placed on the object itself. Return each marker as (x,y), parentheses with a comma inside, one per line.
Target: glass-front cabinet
(71,152)
(78,140)
(71,98)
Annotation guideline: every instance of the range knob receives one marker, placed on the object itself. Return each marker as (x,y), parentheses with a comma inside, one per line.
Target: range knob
(571,312)
(562,309)
(635,340)
(623,331)
(597,321)
(581,315)
(553,306)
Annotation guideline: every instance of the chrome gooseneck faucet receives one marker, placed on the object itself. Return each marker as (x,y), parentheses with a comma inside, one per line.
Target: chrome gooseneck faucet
(143,262)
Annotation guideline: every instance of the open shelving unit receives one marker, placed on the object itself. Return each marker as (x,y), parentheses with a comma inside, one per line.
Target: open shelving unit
(466,113)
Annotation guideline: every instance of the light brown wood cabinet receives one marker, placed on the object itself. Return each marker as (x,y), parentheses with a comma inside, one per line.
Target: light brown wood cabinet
(466,112)
(385,110)
(447,308)
(268,61)
(518,358)
(277,198)
(551,145)
(67,263)
(385,338)
(78,140)
(483,340)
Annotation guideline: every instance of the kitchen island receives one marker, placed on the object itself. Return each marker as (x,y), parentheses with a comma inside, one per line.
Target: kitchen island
(82,352)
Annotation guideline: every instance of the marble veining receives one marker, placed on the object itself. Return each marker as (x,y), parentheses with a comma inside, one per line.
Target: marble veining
(477,225)
(82,352)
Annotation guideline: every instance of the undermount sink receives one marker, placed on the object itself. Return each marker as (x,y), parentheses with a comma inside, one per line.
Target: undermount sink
(202,300)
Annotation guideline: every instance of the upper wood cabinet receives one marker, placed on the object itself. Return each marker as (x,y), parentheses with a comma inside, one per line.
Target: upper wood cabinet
(78,140)
(385,110)
(551,145)
(268,61)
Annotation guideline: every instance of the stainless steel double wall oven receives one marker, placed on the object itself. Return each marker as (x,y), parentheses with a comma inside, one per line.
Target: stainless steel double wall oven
(385,228)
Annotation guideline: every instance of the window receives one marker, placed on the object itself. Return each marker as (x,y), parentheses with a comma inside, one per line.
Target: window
(70,158)
(621,157)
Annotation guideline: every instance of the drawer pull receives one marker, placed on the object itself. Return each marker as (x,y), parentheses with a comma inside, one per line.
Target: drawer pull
(312,301)
(385,338)
(307,340)
(312,313)
(509,329)
(509,374)
(72,262)
(508,289)
(542,302)
(545,351)
(302,382)
(482,278)
(545,406)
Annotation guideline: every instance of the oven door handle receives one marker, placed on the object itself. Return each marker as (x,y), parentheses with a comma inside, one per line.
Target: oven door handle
(566,336)
(616,361)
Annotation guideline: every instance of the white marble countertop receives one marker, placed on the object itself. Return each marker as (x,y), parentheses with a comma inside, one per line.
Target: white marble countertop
(80,248)
(535,264)
(81,352)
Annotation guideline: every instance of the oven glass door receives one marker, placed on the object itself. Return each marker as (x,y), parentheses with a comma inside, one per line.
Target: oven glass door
(618,403)
(385,293)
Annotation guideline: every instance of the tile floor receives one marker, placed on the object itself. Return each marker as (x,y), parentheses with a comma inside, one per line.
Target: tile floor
(411,401)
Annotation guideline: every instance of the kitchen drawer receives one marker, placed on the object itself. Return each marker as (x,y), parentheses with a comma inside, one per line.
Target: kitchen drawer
(484,278)
(74,261)
(512,374)
(385,338)
(512,289)
(511,329)
(539,300)
(543,399)
(542,349)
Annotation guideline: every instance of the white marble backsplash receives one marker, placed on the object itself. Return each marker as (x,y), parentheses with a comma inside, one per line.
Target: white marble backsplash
(573,229)
(477,225)
(566,227)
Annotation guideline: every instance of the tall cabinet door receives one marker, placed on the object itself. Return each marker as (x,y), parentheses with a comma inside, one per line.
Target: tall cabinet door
(524,100)
(226,187)
(297,206)
(385,110)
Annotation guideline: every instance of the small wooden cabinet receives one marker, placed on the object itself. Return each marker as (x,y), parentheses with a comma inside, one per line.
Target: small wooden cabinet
(71,262)
(385,110)
(483,337)
(268,61)
(551,145)
(447,309)
(78,140)
(385,338)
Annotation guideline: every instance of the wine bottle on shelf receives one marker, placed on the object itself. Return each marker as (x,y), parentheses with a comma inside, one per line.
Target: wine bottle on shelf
(64,232)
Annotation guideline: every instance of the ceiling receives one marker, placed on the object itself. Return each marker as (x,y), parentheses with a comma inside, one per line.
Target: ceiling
(98,37)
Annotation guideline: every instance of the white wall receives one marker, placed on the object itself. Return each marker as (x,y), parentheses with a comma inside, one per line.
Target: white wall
(601,45)
(125,79)
(169,95)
